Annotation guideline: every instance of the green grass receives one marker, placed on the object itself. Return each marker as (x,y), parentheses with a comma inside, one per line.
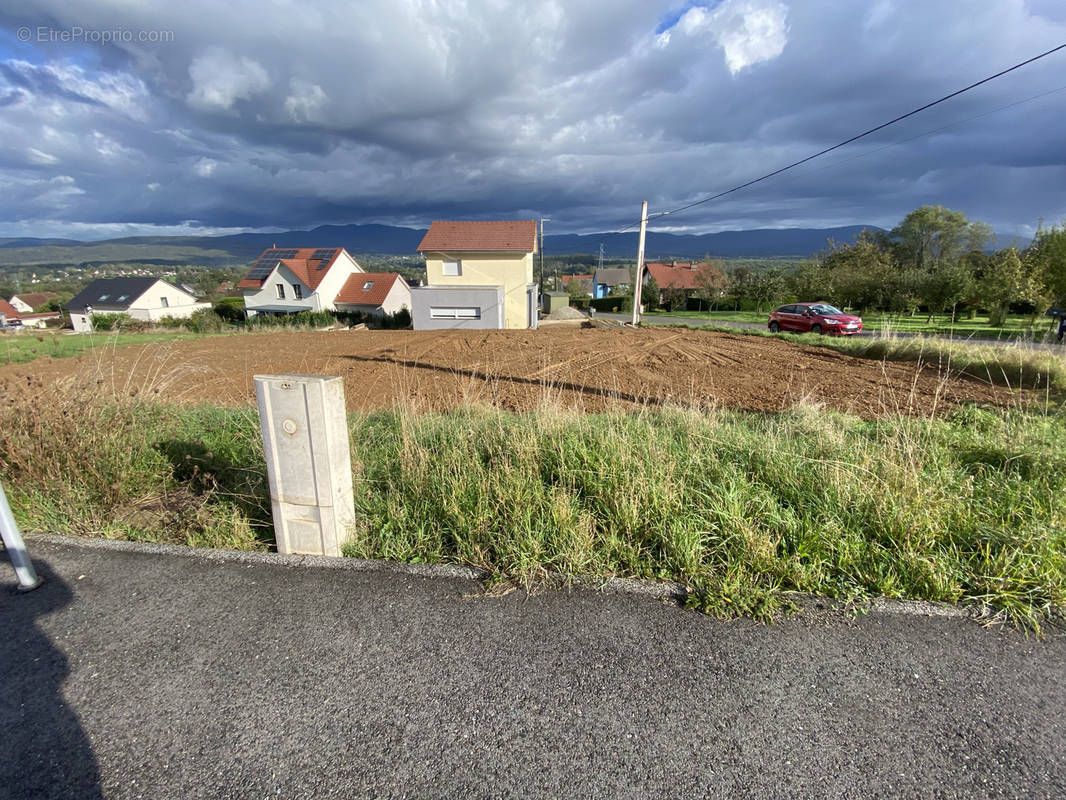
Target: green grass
(742,508)
(25,346)
(941,324)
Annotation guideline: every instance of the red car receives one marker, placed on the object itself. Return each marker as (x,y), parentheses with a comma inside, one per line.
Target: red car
(814,318)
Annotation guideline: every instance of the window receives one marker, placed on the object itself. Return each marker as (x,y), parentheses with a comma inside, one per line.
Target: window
(454,313)
(368,286)
(297,291)
(453,267)
(122,297)
(103,297)
(281,291)
(164,302)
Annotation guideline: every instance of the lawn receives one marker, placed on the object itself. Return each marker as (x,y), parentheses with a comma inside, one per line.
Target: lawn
(1016,326)
(25,346)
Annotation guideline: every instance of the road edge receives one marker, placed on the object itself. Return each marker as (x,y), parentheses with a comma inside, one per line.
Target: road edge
(662,591)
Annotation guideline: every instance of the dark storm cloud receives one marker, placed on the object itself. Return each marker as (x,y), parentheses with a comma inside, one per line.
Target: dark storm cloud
(256,114)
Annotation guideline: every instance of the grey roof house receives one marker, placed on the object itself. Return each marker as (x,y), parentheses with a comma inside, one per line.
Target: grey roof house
(147,299)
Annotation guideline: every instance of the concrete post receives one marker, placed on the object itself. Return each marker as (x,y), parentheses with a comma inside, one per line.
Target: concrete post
(309,467)
(16,548)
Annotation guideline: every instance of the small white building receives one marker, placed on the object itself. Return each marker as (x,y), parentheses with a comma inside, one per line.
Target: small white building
(148,299)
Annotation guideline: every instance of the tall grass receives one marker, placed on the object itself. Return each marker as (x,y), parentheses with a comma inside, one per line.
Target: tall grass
(740,507)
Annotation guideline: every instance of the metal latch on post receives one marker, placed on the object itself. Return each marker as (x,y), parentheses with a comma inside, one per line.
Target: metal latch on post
(309,466)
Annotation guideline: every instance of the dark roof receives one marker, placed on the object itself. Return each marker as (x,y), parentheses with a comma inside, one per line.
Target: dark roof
(614,276)
(111,293)
(506,236)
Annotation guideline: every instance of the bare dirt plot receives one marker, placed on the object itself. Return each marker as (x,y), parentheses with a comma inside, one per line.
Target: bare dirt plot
(587,369)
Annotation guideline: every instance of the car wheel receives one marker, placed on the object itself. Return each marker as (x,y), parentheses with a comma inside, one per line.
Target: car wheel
(816,328)
(774,327)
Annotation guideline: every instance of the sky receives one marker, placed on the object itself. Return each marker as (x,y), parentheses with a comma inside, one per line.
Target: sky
(126,117)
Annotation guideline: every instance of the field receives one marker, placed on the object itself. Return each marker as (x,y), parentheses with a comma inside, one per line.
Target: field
(582,369)
(745,467)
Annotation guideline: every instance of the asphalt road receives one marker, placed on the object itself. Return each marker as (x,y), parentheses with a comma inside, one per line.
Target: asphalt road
(133,674)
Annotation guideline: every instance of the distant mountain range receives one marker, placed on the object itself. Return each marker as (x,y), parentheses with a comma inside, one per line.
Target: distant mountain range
(242,248)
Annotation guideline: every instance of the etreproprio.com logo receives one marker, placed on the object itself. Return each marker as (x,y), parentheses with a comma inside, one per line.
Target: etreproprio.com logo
(79,35)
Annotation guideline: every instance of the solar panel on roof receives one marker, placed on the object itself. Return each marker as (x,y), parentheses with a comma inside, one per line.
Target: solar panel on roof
(323,256)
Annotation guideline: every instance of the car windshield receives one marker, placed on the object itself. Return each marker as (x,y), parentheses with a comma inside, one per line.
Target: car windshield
(826,309)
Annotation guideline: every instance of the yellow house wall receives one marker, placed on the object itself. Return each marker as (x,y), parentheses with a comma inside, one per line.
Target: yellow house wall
(513,271)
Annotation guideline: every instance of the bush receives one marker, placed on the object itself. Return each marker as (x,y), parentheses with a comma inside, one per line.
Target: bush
(205,321)
(622,304)
(231,309)
(398,321)
(111,322)
(301,319)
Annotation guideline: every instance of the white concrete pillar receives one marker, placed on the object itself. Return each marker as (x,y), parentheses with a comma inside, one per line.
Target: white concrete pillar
(309,467)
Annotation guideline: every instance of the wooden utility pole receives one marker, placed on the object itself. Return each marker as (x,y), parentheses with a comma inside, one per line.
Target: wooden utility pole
(640,262)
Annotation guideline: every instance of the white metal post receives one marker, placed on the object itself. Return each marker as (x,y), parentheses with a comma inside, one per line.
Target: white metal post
(640,262)
(16,548)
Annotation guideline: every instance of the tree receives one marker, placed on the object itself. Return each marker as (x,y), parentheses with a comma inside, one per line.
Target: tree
(674,297)
(1009,280)
(1047,257)
(932,236)
(711,281)
(650,295)
(945,288)
(576,289)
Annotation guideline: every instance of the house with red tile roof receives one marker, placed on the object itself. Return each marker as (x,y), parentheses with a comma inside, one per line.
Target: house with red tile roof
(478,275)
(25,303)
(8,313)
(286,280)
(675,275)
(374,293)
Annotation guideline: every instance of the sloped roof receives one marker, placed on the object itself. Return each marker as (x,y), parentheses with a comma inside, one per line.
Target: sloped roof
(614,276)
(34,299)
(506,236)
(112,293)
(298,260)
(8,310)
(675,275)
(380,283)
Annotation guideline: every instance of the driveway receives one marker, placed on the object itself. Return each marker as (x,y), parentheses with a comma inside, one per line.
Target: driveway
(166,673)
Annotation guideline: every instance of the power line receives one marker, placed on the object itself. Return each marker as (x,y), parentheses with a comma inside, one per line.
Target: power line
(916,136)
(837,146)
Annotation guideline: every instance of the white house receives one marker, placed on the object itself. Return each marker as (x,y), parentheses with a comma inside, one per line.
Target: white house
(147,299)
(25,303)
(374,293)
(288,280)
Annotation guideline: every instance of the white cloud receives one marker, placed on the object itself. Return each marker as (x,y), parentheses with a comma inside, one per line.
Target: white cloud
(40,157)
(305,102)
(205,167)
(749,31)
(220,79)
